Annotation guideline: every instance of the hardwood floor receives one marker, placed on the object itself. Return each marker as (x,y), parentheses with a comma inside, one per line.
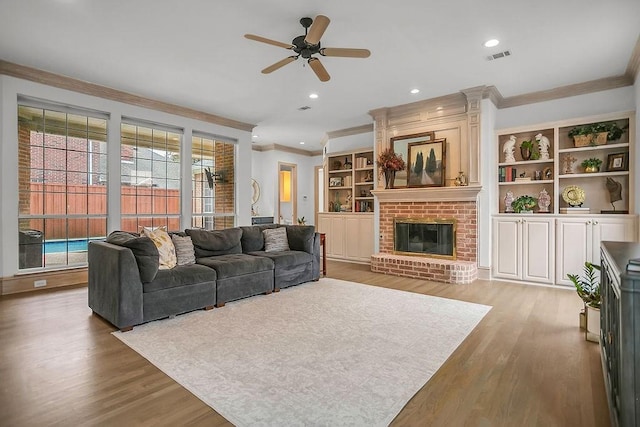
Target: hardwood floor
(526,364)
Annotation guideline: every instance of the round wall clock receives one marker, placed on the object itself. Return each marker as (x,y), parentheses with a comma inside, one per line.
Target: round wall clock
(573,195)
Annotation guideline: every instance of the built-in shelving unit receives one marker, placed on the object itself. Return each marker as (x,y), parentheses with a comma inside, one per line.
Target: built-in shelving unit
(350,179)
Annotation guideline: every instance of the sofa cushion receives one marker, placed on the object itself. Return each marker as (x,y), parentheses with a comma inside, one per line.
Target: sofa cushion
(144,251)
(218,242)
(285,259)
(301,237)
(252,237)
(181,275)
(275,239)
(184,249)
(163,242)
(233,265)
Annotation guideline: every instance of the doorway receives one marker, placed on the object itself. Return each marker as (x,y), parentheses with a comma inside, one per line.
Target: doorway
(287,193)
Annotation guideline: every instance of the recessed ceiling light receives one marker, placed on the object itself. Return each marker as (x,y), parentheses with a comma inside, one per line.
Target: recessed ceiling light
(491,43)
(313,95)
(254,136)
(414,91)
(301,142)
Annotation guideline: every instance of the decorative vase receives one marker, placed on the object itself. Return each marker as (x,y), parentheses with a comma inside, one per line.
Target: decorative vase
(525,153)
(389,177)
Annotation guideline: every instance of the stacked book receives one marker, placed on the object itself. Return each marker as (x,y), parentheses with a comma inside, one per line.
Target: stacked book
(634,265)
(506,174)
(361,162)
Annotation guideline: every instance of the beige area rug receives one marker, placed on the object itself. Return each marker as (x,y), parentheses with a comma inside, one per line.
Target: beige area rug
(320,354)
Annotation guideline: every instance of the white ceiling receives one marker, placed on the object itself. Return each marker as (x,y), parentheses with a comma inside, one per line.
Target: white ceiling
(193,53)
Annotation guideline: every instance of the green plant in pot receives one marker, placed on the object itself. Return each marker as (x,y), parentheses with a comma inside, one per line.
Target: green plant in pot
(524,203)
(526,149)
(591,165)
(588,289)
(588,134)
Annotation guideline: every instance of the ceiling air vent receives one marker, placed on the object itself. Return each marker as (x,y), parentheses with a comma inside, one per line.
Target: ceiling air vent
(306,107)
(499,55)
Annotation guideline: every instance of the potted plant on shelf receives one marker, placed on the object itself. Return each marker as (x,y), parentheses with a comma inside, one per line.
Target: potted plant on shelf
(591,165)
(595,134)
(389,162)
(526,149)
(588,289)
(524,204)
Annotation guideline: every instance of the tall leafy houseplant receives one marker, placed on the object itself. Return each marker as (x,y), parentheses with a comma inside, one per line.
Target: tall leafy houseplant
(587,285)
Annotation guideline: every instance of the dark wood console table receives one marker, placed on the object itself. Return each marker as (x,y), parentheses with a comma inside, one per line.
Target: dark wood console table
(620,332)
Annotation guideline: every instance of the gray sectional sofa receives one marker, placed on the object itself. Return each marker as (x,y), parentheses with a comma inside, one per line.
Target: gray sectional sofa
(126,287)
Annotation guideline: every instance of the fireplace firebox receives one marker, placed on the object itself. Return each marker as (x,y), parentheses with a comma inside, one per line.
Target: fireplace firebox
(433,237)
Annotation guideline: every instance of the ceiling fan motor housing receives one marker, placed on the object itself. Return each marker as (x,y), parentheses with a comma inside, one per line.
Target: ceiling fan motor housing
(304,49)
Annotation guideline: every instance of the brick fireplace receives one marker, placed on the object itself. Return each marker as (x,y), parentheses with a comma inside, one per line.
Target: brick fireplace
(458,203)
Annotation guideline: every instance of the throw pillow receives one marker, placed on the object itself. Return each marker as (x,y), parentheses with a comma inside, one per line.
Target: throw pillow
(184,250)
(275,239)
(144,250)
(163,242)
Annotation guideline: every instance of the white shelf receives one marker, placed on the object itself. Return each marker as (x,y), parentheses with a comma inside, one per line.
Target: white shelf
(340,171)
(592,175)
(364,183)
(594,147)
(526,162)
(339,188)
(533,181)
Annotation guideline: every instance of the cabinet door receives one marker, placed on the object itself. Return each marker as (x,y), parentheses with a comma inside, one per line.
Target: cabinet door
(538,250)
(359,237)
(613,230)
(573,247)
(506,248)
(335,237)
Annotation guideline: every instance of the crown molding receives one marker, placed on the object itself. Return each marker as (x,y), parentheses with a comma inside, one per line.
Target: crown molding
(75,85)
(576,89)
(633,67)
(284,148)
(356,130)
(493,94)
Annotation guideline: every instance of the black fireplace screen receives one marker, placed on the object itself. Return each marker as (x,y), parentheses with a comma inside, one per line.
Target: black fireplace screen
(425,238)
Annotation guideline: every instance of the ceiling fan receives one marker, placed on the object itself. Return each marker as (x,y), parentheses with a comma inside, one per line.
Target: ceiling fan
(309,45)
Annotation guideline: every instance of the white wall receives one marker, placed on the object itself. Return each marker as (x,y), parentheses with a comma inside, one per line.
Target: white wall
(265,171)
(636,165)
(349,143)
(11,87)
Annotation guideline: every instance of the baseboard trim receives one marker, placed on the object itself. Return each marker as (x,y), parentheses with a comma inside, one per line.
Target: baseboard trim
(55,279)
(484,273)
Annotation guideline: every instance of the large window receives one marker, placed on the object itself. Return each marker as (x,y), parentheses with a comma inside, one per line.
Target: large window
(213,188)
(62,193)
(150,177)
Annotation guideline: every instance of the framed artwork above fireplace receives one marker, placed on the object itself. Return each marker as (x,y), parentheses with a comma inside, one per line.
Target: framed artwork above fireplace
(426,163)
(400,145)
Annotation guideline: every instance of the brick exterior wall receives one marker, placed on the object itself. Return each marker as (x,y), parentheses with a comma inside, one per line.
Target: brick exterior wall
(464,212)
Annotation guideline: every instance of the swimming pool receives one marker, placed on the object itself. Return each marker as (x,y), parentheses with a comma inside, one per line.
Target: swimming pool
(73,245)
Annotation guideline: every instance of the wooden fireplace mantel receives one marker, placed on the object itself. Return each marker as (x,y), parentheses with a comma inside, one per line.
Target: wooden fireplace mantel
(428,194)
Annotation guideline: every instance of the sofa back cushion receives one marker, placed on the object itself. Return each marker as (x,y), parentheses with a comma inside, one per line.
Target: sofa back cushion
(217,242)
(144,251)
(301,237)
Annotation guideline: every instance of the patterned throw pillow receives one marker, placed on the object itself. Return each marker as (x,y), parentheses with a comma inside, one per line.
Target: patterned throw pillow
(275,239)
(184,250)
(163,242)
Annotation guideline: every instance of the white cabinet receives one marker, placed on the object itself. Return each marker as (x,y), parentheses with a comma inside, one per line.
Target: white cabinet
(348,237)
(579,240)
(523,248)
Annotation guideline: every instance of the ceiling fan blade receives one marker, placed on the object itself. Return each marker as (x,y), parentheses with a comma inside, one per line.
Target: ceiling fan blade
(279,64)
(317,29)
(345,52)
(319,69)
(268,41)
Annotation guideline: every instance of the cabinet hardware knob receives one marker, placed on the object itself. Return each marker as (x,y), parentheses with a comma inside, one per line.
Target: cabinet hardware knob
(588,222)
(595,222)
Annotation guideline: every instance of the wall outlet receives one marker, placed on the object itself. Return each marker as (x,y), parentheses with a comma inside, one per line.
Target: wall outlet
(39,283)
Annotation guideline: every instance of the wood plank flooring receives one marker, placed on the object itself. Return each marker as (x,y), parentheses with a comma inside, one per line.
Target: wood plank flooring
(526,364)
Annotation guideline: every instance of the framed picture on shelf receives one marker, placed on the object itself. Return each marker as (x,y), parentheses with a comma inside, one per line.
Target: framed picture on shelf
(618,162)
(426,163)
(335,181)
(400,145)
